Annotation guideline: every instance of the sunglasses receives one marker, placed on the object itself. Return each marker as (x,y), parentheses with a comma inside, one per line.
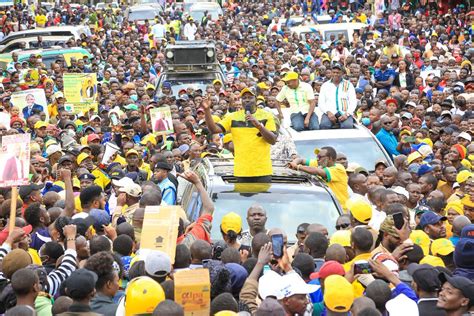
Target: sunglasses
(387,123)
(342,226)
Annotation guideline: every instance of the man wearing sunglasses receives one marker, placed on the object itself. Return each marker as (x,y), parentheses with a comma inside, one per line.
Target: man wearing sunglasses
(386,136)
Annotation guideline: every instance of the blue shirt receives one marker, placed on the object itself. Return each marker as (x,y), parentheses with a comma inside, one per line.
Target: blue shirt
(380,75)
(388,141)
(168,191)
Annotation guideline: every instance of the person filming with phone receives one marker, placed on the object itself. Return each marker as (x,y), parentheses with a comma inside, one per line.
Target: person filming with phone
(253,131)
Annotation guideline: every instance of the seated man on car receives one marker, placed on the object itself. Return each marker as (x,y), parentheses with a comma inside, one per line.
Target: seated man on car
(337,100)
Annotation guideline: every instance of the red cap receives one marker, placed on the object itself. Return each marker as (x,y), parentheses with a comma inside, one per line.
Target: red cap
(328,268)
(228,60)
(92,137)
(4,233)
(388,101)
(416,119)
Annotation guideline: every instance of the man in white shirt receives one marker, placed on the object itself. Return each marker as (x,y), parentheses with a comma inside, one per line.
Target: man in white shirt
(300,97)
(337,100)
(158,30)
(190,29)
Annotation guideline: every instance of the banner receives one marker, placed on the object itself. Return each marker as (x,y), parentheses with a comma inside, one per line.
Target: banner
(30,102)
(5,3)
(160,229)
(15,158)
(81,91)
(192,290)
(161,120)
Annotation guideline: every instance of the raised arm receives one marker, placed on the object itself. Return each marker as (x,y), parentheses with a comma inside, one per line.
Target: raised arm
(207,204)
(69,207)
(206,104)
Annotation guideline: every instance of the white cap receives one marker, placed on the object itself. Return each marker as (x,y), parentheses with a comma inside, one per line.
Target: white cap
(132,189)
(95,116)
(401,191)
(123,182)
(53,148)
(466,136)
(269,285)
(434,58)
(352,166)
(293,284)
(446,112)
(425,150)
(401,305)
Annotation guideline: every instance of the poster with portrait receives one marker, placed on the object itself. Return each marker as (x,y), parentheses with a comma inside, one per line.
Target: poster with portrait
(15,158)
(161,120)
(81,91)
(30,102)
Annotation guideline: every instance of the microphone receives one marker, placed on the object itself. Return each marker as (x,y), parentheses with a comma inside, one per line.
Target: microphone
(248,109)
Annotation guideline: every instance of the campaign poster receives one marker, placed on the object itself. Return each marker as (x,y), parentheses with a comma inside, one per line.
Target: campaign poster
(15,158)
(81,91)
(30,102)
(161,120)
(192,291)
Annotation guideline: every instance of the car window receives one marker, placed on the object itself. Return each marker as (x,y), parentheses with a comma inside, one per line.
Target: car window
(363,151)
(286,210)
(142,15)
(344,33)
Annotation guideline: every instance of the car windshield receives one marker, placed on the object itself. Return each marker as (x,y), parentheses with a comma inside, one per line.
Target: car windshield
(286,210)
(363,151)
(199,13)
(142,15)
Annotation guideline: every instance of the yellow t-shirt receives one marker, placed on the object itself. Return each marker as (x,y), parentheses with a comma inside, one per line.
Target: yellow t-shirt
(120,160)
(101,179)
(77,204)
(146,167)
(252,152)
(356,286)
(52,110)
(337,182)
(40,20)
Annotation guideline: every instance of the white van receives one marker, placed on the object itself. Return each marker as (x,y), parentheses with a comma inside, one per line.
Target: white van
(326,30)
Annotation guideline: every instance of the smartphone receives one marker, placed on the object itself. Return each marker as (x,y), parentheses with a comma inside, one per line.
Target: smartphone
(410,139)
(114,119)
(362,267)
(277,245)
(398,220)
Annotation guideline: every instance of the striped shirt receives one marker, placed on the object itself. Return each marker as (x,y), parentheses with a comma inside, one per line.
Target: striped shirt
(299,99)
(341,98)
(55,277)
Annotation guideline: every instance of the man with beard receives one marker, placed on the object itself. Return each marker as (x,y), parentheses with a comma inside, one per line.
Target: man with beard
(256,219)
(433,225)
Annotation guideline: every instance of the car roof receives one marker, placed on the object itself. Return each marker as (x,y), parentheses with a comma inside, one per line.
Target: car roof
(205,5)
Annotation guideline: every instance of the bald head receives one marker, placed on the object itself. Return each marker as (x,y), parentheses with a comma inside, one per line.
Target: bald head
(337,253)
(360,304)
(389,176)
(317,228)
(459,223)
(50,198)
(200,250)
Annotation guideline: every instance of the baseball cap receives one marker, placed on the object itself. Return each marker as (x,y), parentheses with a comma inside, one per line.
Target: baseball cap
(421,209)
(388,226)
(40,124)
(132,189)
(86,176)
(15,260)
(338,293)
(157,263)
(80,283)
(381,161)
(421,239)
(53,148)
(465,136)
(246,90)
(341,237)
(100,217)
(468,232)
(82,157)
(26,190)
(163,165)
(4,233)
(430,218)
(425,276)
(402,305)
(407,115)
(442,246)
(360,210)
(269,285)
(92,137)
(116,174)
(65,158)
(292,284)
(463,175)
(432,261)
(231,221)
(83,222)
(413,156)
(328,268)
(123,182)
(131,152)
(463,284)
(424,169)
(291,75)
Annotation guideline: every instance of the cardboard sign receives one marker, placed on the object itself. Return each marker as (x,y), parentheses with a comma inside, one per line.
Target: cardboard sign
(30,101)
(15,157)
(192,290)
(81,90)
(161,120)
(160,229)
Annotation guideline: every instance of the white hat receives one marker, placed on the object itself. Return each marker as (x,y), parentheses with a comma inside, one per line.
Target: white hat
(269,285)
(53,148)
(293,284)
(401,305)
(123,182)
(434,58)
(401,191)
(93,117)
(425,150)
(352,166)
(132,189)
(466,136)
(157,263)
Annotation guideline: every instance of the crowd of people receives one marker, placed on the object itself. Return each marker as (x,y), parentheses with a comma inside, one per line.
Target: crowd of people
(404,244)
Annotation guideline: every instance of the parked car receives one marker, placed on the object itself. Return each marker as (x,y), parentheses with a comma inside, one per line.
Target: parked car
(198,10)
(285,199)
(48,56)
(141,13)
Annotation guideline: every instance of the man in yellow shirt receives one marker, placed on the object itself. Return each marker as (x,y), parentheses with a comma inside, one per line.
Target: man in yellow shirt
(253,132)
(333,173)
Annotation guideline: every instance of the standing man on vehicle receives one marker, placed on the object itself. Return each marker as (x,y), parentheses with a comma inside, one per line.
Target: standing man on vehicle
(253,131)
(302,102)
(337,100)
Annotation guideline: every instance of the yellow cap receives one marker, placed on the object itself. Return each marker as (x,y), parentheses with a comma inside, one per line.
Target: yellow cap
(338,293)
(142,295)
(466,201)
(226,313)
(227,138)
(149,138)
(40,124)
(413,156)
(456,206)
(467,164)
(150,86)
(245,90)
(421,239)
(217,81)
(131,152)
(432,261)
(360,210)
(463,176)
(50,142)
(441,246)
(82,157)
(290,76)
(341,237)
(231,221)
(242,50)
(263,86)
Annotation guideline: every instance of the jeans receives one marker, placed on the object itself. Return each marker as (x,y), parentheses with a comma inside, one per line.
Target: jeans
(297,122)
(327,124)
